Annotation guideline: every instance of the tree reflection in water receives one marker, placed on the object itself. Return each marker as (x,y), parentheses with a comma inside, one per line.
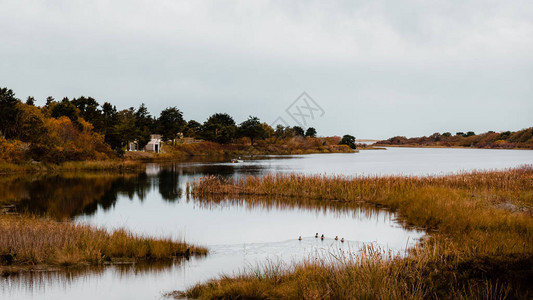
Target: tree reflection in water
(67,195)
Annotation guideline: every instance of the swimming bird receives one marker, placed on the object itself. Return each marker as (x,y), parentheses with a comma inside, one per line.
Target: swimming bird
(300,238)
(342,240)
(316,235)
(336,238)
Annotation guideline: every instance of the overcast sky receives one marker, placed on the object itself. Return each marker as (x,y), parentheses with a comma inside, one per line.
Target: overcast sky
(376,68)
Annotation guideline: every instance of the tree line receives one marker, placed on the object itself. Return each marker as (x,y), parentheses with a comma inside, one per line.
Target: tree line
(82,128)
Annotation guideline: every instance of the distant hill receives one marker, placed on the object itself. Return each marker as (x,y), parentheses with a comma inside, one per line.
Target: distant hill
(522,139)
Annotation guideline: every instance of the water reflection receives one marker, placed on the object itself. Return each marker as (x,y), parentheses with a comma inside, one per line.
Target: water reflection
(265,203)
(68,195)
(238,232)
(38,283)
(71,194)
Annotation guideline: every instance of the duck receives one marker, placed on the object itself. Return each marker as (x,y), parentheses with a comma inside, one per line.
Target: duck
(336,238)
(300,238)
(322,237)
(316,235)
(342,240)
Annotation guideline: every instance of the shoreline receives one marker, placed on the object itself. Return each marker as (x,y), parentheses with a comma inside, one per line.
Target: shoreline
(133,160)
(441,147)
(87,165)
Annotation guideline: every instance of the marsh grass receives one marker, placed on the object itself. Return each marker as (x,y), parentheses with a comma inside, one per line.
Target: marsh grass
(10,168)
(371,274)
(88,165)
(479,243)
(29,241)
(99,165)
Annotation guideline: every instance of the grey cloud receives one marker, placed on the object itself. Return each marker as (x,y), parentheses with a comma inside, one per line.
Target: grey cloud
(378,68)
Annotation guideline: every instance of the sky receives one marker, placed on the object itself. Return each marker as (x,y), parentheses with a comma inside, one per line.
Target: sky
(373,69)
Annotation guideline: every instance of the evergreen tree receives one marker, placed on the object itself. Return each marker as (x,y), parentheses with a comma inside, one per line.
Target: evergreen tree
(193,128)
(253,129)
(170,122)
(8,112)
(219,128)
(110,125)
(144,124)
(89,110)
(310,132)
(49,101)
(65,108)
(348,140)
(298,131)
(30,101)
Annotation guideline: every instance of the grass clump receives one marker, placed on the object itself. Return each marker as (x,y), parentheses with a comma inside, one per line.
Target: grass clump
(480,241)
(30,241)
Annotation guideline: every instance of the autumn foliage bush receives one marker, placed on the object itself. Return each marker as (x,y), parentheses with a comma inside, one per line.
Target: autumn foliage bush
(47,139)
(12,150)
(67,142)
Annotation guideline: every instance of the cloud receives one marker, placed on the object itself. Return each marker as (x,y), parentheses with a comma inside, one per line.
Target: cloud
(236,56)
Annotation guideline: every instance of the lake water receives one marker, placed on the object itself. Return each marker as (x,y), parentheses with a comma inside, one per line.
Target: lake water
(398,161)
(240,234)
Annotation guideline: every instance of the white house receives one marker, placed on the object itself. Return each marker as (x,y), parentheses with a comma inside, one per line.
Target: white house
(133,146)
(154,145)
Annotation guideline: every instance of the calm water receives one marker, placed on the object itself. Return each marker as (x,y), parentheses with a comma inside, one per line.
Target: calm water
(398,161)
(239,234)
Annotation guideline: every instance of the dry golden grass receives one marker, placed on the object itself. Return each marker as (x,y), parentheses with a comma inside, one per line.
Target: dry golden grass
(33,241)
(372,275)
(88,165)
(99,165)
(9,168)
(480,241)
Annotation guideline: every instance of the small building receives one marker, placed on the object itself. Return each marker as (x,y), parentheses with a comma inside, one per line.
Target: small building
(154,145)
(133,146)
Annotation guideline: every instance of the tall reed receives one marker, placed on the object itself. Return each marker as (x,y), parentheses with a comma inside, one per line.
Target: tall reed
(26,241)
(479,242)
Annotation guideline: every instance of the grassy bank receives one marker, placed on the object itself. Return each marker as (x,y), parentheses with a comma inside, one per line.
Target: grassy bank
(97,165)
(293,146)
(132,159)
(29,242)
(480,241)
